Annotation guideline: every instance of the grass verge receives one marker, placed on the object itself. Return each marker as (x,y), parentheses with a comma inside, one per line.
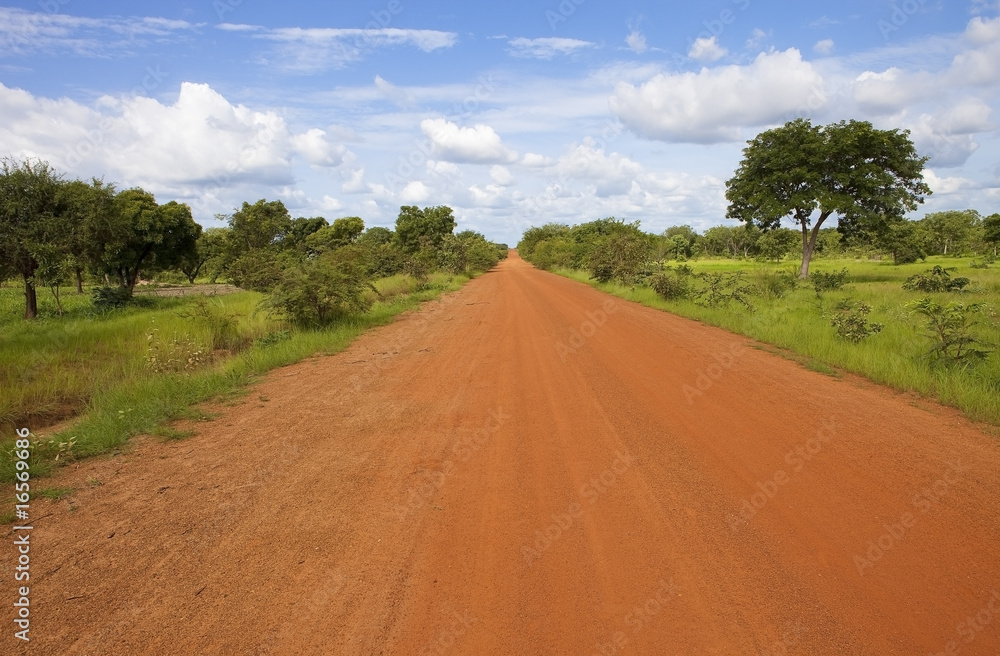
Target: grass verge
(141,401)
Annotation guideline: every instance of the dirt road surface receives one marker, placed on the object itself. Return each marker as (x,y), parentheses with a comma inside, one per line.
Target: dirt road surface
(532,467)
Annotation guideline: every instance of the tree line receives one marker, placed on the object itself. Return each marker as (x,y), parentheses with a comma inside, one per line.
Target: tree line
(55,232)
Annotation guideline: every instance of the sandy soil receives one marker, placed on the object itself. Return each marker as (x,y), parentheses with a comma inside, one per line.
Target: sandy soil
(532,467)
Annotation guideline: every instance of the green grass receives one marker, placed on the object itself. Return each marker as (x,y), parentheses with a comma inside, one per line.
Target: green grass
(55,493)
(800,323)
(96,366)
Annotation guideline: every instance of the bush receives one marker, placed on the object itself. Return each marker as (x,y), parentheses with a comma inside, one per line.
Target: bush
(937,279)
(109,298)
(258,270)
(673,285)
(723,288)
(318,292)
(828,282)
(774,284)
(851,321)
(619,257)
(950,328)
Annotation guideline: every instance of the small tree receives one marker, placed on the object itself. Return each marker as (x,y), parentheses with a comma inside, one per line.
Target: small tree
(29,203)
(318,292)
(991,231)
(950,327)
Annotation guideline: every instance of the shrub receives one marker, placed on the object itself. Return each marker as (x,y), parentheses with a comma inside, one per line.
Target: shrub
(318,292)
(109,298)
(936,279)
(851,321)
(773,284)
(828,282)
(619,257)
(723,288)
(673,285)
(950,328)
(258,270)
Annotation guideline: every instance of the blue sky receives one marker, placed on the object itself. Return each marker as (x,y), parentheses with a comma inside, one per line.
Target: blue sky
(513,113)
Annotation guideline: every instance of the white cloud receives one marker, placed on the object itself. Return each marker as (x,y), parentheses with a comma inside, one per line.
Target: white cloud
(717,104)
(200,148)
(948,136)
(757,38)
(25,32)
(479,144)
(355,183)
(444,169)
(414,192)
(309,50)
(534,160)
(610,174)
(489,196)
(318,151)
(501,175)
(947,185)
(329,204)
(706,49)
(824,47)
(547,47)
(391,92)
(636,42)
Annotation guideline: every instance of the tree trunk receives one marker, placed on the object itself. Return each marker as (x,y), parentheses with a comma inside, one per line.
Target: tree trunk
(809,243)
(79,281)
(30,299)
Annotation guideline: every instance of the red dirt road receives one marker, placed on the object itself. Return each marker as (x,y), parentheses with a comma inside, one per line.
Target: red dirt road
(532,467)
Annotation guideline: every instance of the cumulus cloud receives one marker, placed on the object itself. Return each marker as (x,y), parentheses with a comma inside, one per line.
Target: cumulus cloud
(714,105)
(610,174)
(707,49)
(355,182)
(317,149)
(534,160)
(479,144)
(547,47)
(414,192)
(191,147)
(945,185)
(501,175)
(948,136)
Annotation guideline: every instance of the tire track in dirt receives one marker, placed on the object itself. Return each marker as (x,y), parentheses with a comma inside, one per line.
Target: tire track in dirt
(530,466)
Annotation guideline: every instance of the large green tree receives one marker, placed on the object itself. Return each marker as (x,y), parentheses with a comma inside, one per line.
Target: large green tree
(260,225)
(423,228)
(146,236)
(29,207)
(865,176)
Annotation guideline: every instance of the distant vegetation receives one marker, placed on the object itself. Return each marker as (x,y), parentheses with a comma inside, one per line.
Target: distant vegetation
(78,333)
